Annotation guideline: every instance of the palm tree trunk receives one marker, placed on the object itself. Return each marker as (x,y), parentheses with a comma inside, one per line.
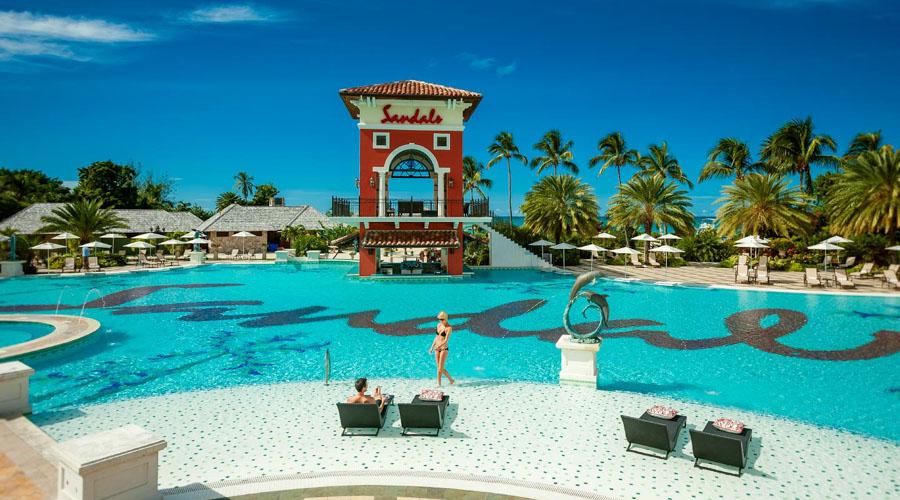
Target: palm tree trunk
(509,187)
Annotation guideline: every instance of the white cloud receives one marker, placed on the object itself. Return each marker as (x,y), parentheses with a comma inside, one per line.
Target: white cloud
(506,69)
(25,35)
(476,62)
(221,14)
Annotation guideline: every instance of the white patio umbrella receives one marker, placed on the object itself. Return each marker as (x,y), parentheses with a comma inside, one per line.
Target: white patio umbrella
(142,245)
(149,236)
(191,235)
(592,248)
(4,238)
(242,235)
(895,248)
(646,238)
(752,244)
(114,237)
(542,244)
(48,246)
(666,249)
(825,247)
(65,236)
(605,236)
(669,236)
(626,251)
(172,242)
(96,244)
(837,240)
(752,238)
(564,247)
(197,241)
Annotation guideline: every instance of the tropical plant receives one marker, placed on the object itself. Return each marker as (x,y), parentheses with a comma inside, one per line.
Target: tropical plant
(762,204)
(560,205)
(704,246)
(863,142)
(504,148)
(309,241)
(474,180)
(659,163)
(730,157)
(154,194)
(264,192)
(650,201)
(614,152)
(227,199)
(556,153)
(243,184)
(795,148)
(114,185)
(866,197)
(83,218)
(21,188)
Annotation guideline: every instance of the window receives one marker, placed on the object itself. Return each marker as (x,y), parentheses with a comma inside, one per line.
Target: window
(381,140)
(441,141)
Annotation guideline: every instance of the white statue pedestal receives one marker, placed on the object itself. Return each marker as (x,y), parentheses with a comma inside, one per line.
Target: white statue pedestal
(10,268)
(120,463)
(281,256)
(198,257)
(14,388)
(579,362)
(313,255)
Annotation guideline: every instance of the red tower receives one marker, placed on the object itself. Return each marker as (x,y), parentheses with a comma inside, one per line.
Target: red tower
(410,130)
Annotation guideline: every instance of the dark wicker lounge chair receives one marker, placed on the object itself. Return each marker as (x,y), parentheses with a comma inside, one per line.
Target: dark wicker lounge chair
(714,445)
(361,416)
(423,415)
(653,432)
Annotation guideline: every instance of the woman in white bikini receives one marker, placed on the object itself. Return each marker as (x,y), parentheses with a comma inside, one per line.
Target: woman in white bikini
(440,347)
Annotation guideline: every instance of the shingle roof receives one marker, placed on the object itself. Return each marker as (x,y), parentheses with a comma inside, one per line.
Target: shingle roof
(408,89)
(241,218)
(404,238)
(28,220)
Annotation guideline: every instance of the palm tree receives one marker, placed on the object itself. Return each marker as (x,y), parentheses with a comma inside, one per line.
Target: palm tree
(556,153)
(227,199)
(730,157)
(866,196)
(760,204)
(504,148)
(560,205)
(474,180)
(83,218)
(862,142)
(649,201)
(659,163)
(243,183)
(613,153)
(795,148)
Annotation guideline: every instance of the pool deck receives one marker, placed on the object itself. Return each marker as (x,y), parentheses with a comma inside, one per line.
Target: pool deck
(526,439)
(720,277)
(66,329)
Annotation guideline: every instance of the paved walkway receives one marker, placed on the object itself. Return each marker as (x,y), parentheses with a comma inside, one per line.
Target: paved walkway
(719,276)
(25,470)
(559,442)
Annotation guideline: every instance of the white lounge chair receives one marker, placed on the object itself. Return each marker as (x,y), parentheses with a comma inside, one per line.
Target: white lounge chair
(890,279)
(850,262)
(762,270)
(652,261)
(865,272)
(811,277)
(93,264)
(635,262)
(234,253)
(69,264)
(840,276)
(894,267)
(742,274)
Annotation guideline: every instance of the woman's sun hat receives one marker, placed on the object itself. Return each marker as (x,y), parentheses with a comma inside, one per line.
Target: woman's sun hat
(442,315)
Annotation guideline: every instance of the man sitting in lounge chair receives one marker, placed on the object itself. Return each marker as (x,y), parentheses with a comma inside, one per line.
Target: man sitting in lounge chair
(362,385)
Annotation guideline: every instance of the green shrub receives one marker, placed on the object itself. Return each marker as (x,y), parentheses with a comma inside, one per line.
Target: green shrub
(796,267)
(57,260)
(705,246)
(729,261)
(309,241)
(111,260)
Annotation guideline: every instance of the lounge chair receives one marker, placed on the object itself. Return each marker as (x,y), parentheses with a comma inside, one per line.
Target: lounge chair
(635,262)
(423,415)
(93,264)
(840,276)
(743,260)
(69,264)
(653,432)
(714,445)
(811,277)
(742,274)
(890,279)
(894,267)
(652,261)
(361,416)
(234,253)
(864,272)
(186,255)
(762,270)
(850,262)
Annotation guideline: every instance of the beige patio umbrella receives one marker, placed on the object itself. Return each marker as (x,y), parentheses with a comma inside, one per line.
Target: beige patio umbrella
(825,247)
(113,237)
(626,251)
(646,238)
(96,244)
(48,246)
(563,247)
(148,236)
(242,235)
(592,248)
(542,244)
(666,249)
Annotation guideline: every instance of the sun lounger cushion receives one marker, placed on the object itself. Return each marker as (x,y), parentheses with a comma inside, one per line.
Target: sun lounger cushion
(431,395)
(660,411)
(729,425)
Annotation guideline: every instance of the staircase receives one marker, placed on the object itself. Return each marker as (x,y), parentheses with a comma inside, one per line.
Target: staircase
(506,253)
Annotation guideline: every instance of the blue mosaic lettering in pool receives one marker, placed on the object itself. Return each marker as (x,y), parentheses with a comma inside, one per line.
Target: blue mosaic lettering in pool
(827,359)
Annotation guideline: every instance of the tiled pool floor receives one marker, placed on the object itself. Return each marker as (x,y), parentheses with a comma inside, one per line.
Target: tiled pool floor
(569,437)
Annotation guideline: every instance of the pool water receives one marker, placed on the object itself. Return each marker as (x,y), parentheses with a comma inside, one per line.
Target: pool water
(826,359)
(14,332)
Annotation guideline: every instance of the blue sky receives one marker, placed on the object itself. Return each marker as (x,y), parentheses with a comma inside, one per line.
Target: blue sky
(199,91)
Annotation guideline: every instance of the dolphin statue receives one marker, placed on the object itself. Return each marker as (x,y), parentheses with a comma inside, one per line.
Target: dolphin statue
(595,301)
(327,366)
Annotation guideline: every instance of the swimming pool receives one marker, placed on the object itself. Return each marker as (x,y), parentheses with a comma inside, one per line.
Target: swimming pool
(15,332)
(826,359)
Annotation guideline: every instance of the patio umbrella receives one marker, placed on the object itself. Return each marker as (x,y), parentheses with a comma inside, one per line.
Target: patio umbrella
(191,235)
(605,236)
(564,247)
(592,248)
(895,248)
(669,236)
(752,238)
(65,236)
(48,246)
(149,236)
(752,243)
(96,244)
(626,251)
(242,235)
(4,238)
(114,237)
(666,249)
(542,244)
(142,245)
(646,238)
(825,247)
(837,240)
(197,241)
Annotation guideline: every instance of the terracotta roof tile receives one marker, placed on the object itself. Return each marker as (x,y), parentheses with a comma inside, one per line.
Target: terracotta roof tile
(404,238)
(408,89)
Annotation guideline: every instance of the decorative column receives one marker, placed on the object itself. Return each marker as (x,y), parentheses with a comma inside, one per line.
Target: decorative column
(579,362)
(120,463)
(14,388)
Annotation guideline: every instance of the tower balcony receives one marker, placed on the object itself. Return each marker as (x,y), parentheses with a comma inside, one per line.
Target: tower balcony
(411,209)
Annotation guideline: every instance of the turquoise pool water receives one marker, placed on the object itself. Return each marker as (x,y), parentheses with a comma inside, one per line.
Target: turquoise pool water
(13,332)
(826,359)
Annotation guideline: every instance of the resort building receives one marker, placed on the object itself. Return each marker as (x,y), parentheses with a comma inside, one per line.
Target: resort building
(266,223)
(29,220)
(410,130)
